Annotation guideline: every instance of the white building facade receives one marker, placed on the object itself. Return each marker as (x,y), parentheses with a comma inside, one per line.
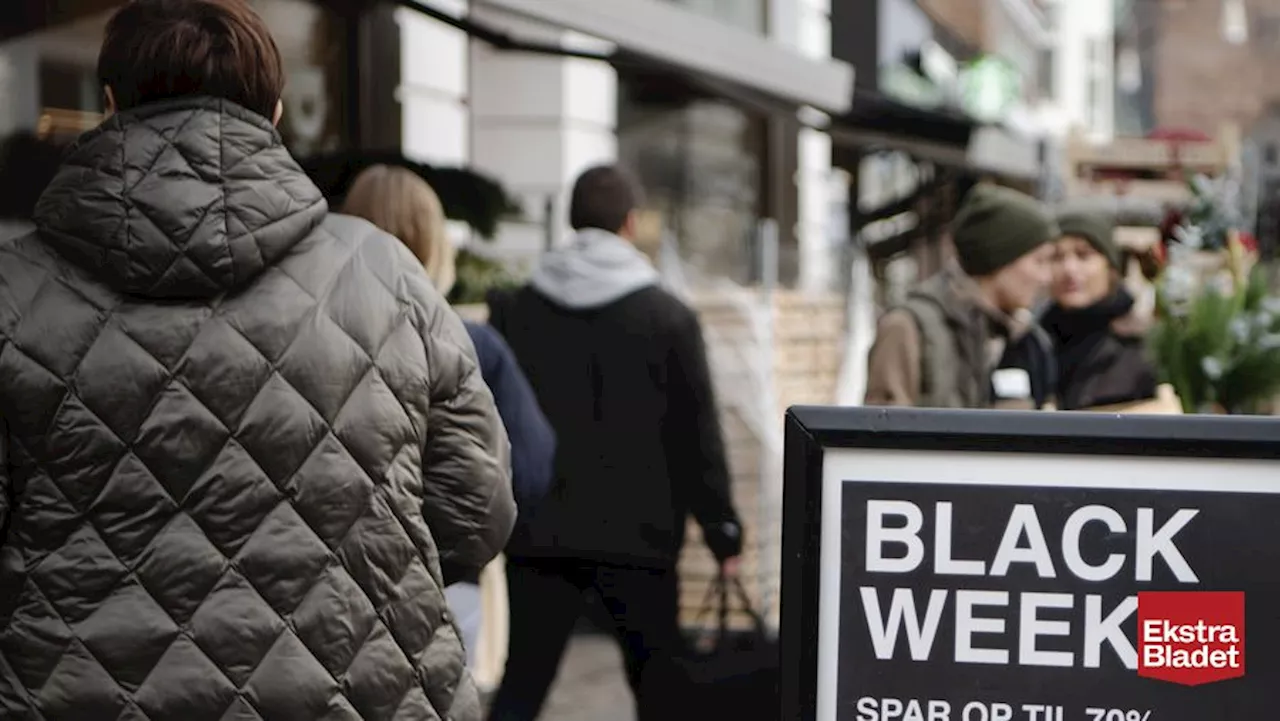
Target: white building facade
(1085,68)
(533,122)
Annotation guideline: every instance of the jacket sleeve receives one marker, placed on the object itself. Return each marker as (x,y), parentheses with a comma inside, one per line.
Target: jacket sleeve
(893,365)
(533,441)
(468,503)
(695,452)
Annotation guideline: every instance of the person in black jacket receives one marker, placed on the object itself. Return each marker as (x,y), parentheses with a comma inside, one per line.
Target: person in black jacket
(1099,341)
(620,369)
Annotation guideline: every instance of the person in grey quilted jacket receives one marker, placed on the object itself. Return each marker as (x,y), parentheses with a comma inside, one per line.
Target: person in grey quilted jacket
(244,443)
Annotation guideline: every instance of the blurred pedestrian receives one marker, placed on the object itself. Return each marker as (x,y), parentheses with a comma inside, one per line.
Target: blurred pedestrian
(1102,358)
(401,203)
(966,338)
(620,369)
(247,443)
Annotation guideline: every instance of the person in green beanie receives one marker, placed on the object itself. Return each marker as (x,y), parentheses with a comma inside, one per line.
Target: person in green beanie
(966,338)
(1099,339)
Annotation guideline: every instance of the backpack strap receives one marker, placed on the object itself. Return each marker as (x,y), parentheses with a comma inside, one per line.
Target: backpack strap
(939,385)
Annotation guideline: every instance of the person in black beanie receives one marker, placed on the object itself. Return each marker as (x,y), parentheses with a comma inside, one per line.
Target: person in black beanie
(1101,354)
(966,338)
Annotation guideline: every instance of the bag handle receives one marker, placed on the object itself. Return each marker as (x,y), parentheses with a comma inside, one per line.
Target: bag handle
(720,590)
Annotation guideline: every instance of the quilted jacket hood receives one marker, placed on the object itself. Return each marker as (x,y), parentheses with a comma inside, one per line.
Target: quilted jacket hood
(181,199)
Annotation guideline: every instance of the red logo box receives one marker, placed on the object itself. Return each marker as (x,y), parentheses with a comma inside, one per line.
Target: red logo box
(1191,637)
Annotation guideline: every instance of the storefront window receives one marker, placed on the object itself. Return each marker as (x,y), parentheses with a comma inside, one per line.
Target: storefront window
(314,50)
(49,85)
(701,162)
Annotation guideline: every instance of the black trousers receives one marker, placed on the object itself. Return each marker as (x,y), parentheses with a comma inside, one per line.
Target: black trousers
(546,599)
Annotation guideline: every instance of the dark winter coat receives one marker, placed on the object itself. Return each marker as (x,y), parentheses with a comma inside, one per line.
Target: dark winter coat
(533,441)
(620,369)
(1102,357)
(944,347)
(246,442)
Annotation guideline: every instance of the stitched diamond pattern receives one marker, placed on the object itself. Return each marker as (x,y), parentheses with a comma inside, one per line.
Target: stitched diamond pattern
(135,505)
(237,627)
(114,374)
(35,640)
(205,690)
(128,634)
(220,514)
(181,567)
(290,684)
(80,688)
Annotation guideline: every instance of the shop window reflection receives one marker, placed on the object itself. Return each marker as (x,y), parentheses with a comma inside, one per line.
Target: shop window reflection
(700,161)
(313,45)
(49,84)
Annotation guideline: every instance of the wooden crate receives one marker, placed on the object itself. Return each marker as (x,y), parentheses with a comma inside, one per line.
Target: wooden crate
(1158,168)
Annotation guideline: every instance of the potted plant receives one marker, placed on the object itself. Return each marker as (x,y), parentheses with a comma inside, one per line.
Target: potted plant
(1217,339)
(477,275)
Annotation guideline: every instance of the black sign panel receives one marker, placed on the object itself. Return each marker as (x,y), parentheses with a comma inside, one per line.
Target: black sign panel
(1008,566)
(1043,638)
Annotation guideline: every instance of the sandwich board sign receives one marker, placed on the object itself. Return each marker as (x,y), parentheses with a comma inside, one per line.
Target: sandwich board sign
(944,565)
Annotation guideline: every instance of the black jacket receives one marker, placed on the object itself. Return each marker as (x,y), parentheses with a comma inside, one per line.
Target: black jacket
(627,389)
(1100,362)
(1033,352)
(242,439)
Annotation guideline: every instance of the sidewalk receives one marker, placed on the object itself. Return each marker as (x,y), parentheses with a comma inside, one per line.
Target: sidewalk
(591,685)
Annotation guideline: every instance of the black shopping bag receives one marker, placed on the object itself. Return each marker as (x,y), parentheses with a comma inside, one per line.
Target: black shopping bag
(724,673)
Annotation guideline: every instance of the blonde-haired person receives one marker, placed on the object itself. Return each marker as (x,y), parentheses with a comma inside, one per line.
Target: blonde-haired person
(404,205)
(401,203)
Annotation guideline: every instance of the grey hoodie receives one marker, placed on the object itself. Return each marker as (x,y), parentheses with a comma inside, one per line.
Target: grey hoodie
(596,269)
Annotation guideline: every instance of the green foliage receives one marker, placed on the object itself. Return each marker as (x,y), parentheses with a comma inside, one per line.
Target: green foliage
(1212,213)
(1220,347)
(477,275)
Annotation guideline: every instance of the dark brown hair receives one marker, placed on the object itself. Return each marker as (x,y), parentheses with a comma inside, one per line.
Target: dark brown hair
(602,198)
(161,49)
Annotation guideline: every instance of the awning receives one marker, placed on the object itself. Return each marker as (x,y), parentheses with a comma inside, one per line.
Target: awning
(941,136)
(674,35)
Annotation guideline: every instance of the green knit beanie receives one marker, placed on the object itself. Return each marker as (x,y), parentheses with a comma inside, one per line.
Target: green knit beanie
(1095,228)
(996,226)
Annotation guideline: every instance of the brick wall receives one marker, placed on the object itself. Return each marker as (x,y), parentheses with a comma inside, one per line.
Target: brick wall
(1203,82)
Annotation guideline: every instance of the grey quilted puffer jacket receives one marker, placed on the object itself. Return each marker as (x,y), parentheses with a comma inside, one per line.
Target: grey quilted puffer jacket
(243,436)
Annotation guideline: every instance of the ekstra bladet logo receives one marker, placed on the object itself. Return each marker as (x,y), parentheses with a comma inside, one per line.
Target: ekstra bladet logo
(1191,637)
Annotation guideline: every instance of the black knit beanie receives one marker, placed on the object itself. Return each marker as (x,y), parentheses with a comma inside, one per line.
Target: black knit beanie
(996,226)
(1096,228)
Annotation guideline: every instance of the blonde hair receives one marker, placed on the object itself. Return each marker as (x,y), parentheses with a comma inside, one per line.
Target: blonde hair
(402,204)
